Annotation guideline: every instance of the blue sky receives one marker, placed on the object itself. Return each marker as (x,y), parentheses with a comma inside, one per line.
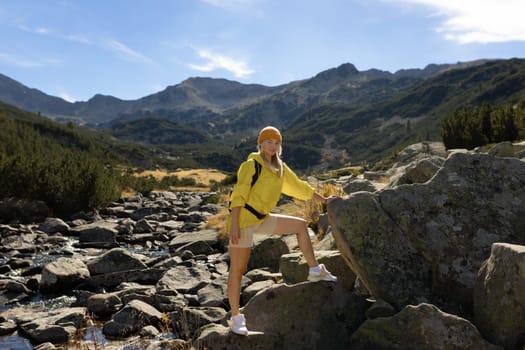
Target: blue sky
(129,49)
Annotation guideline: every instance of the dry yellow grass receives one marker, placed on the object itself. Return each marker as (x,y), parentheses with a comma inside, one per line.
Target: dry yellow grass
(201,176)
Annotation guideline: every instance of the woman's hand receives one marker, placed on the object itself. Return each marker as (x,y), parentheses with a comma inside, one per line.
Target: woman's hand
(235,232)
(332,198)
(326,200)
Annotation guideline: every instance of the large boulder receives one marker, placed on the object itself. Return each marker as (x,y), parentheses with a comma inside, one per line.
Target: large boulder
(499,296)
(192,318)
(63,274)
(211,237)
(131,319)
(419,151)
(55,326)
(54,225)
(185,279)
(294,268)
(219,337)
(267,251)
(99,234)
(307,315)
(419,327)
(418,171)
(426,242)
(115,260)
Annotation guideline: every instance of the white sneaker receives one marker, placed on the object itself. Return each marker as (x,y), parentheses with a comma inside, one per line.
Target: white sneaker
(324,275)
(238,324)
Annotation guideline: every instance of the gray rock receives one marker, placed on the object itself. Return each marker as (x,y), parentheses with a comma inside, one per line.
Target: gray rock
(131,319)
(54,225)
(185,279)
(308,315)
(420,150)
(45,346)
(502,149)
(99,234)
(104,304)
(115,260)
(55,326)
(110,280)
(196,247)
(143,226)
(256,275)
(419,171)
(16,287)
(356,185)
(294,268)
(255,288)
(214,293)
(63,274)
(327,242)
(218,337)
(193,318)
(419,327)
(380,308)
(211,237)
(266,252)
(7,327)
(499,296)
(149,332)
(422,242)
(21,242)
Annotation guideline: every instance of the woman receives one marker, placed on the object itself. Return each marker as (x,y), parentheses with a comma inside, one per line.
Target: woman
(251,201)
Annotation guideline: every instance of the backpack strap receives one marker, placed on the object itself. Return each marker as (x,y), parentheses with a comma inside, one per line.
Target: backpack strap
(258,168)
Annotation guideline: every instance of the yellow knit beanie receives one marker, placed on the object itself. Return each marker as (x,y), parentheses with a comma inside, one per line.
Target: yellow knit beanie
(269,133)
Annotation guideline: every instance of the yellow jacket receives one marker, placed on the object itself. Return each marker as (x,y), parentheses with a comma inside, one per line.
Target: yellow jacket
(266,191)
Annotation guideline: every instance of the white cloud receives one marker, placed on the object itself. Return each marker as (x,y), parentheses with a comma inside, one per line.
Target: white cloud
(250,8)
(19,61)
(111,44)
(157,88)
(43,31)
(216,61)
(228,3)
(478,21)
(80,38)
(126,52)
(67,97)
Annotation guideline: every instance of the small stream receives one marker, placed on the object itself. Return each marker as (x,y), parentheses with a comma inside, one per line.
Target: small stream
(93,334)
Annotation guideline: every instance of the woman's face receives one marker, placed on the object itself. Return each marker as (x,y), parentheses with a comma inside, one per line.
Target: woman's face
(270,147)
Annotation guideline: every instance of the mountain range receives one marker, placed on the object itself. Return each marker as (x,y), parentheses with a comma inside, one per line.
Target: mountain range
(337,117)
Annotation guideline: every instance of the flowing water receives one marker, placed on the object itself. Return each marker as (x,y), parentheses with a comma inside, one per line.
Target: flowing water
(92,334)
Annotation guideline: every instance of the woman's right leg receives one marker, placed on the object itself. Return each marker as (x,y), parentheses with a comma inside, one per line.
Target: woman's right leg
(238,262)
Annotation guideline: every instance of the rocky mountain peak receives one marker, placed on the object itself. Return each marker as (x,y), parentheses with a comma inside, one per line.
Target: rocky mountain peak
(343,71)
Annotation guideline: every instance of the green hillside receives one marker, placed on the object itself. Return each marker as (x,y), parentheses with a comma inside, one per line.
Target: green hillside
(373,131)
(72,168)
(43,160)
(156,130)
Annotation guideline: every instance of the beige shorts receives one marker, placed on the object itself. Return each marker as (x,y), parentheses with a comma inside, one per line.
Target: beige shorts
(267,226)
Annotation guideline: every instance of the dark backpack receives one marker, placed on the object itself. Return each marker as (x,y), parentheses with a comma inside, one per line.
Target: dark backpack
(258,168)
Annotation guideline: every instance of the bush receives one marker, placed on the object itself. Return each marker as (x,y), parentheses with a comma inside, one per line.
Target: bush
(470,127)
(39,168)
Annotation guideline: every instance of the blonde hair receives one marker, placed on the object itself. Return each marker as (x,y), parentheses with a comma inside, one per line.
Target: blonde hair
(276,161)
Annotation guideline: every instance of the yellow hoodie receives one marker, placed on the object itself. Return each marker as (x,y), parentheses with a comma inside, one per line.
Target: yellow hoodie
(266,191)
